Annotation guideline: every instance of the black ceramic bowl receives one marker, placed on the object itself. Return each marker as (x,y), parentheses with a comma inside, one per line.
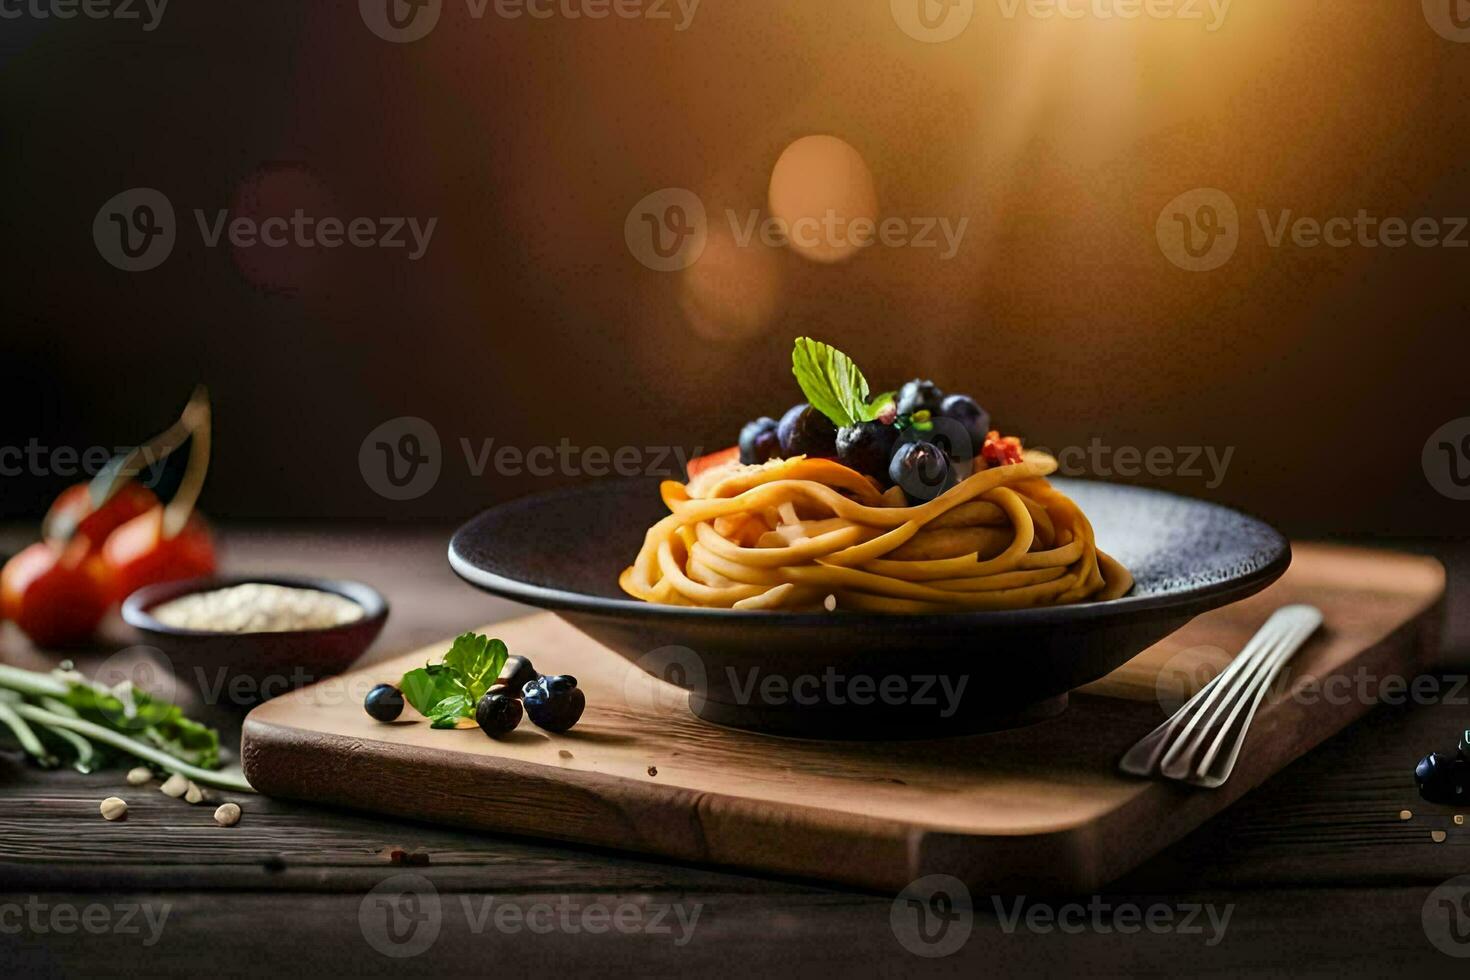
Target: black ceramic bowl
(824,674)
(243,669)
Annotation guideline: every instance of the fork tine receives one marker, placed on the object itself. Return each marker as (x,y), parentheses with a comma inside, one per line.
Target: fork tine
(1189,743)
(1175,763)
(1210,774)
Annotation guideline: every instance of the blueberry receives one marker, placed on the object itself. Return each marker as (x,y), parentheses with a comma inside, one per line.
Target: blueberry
(922,470)
(974,419)
(804,431)
(867,447)
(554,703)
(1442,778)
(516,674)
(384,702)
(497,714)
(919,396)
(759,441)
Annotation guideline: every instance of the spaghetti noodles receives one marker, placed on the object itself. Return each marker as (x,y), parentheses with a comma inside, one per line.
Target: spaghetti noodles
(798,533)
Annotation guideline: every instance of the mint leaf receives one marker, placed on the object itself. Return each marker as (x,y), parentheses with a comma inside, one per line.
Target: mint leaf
(447,712)
(445,691)
(833,385)
(875,406)
(476,661)
(830,380)
(425,687)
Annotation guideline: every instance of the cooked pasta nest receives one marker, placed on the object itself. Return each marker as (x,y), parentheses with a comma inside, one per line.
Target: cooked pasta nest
(806,534)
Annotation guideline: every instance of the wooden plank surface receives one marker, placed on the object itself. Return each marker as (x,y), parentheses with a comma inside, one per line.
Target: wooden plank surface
(1326,879)
(1040,807)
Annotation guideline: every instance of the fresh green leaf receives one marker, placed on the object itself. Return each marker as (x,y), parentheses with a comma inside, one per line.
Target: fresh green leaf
(133,711)
(447,691)
(877,404)
(427,686)
(831,382)
(476,660)
(447,712)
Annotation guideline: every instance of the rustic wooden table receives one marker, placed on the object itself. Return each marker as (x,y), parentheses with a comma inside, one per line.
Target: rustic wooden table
(1318,872)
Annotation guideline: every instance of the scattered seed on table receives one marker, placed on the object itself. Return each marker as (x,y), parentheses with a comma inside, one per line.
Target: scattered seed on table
(1438,836)
(564,753)
(1406,815)
(175,786)
(114,808)
(139,775)
(193,794)
(227,815)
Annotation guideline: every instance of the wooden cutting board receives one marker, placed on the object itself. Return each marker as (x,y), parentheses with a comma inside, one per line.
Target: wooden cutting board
(1040,809)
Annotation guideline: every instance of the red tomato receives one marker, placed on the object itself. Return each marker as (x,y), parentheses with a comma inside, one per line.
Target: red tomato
(56,595)
(137,554)
(699,464)
(72,514)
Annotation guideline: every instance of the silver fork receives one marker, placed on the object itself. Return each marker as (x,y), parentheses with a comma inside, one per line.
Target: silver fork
(1201,742)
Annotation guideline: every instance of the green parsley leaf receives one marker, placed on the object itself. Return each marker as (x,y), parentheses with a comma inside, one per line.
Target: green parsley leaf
(447,712)
(833,385)
(450,690)
(427,686)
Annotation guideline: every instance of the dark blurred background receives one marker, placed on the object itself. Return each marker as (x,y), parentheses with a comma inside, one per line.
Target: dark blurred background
(530,320)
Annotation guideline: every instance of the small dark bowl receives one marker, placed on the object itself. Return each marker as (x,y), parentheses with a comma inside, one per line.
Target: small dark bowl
(563,551)
(244,669)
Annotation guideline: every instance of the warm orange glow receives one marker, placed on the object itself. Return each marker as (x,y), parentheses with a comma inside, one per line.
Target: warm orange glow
(733,292)
(823,194)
